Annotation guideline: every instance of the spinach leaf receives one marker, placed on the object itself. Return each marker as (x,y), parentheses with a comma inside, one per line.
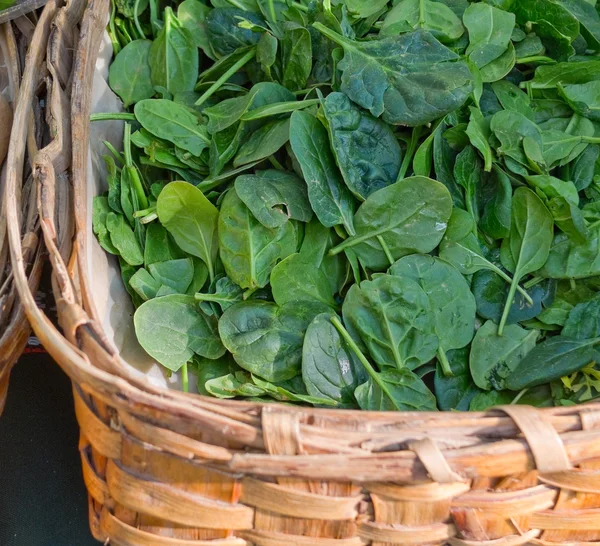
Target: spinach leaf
(552,359)
(468,172)
(172,329)
(328,195)
(173,57)
(410,79)
(100,210)
(395,390)
(436,17)
(497,204)
(491,291)
(329,367)
(493,357)
(266,339)
(225,34)
(225,293)
(365,148)
(192,15)
(265,193)
(296,55)
(455,391)
(392,317)
(129,74)
(583,321)
(452,302)
(570,259)
(490,30)
(583,98)
(176,274)
(294,279)
(264,142)
(249,251)
(173,122)
(551,22)
(407,217)
(192,221)
(529,241)
(123,239)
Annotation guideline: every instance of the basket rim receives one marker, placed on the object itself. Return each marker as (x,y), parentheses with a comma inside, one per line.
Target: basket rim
(96,368)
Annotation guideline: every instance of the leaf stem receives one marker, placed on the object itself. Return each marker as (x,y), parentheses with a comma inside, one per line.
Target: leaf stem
(536,59)
(444,362)
(519,396)
(184,378)
(109,116)
(509,280)
(508,305)
(215,86)
(533,282)
(386,249)
(136,19)
(275,163)
(374,375)
(410,153)
(299,6)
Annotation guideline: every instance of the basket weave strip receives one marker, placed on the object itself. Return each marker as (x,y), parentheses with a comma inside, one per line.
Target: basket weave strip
(167,468)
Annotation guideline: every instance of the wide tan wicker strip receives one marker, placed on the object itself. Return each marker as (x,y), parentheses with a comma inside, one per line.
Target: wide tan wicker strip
(166,468)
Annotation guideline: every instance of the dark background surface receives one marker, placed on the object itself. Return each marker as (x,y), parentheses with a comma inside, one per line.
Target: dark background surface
(42,496)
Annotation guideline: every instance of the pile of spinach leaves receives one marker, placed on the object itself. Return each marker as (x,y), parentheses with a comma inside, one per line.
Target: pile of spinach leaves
(390,205)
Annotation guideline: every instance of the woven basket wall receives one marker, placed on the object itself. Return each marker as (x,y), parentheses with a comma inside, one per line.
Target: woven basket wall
(165,468)
(14,327)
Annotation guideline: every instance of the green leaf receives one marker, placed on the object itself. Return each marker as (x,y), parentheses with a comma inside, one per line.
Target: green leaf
(468,172)
(529,240)
(512,98)
(274,197)
(410,79)
(409,216)
(493,358)
(456,391)
(224,292)
(365,148)
(329,367)
(296,56)
(176,274)
(452,303)
(173,56)
(123,239)
(583,98)
(248,249)
(100,211)
(490,30)
(436,17)
(264,142)
(478,131)
(570,259)
(552,359)
(328,195)
(392,316)
(551,22)
(266,339)
(191,219)
(129,74)
(171,329)
(295,279)
(144,284)
(173,122)
(402,391)
(497,205)
(192,15)
(224,33)
(584,320)
(491,291)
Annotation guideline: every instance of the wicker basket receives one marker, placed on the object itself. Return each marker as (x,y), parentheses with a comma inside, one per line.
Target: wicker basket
(14,328)
(165,468)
